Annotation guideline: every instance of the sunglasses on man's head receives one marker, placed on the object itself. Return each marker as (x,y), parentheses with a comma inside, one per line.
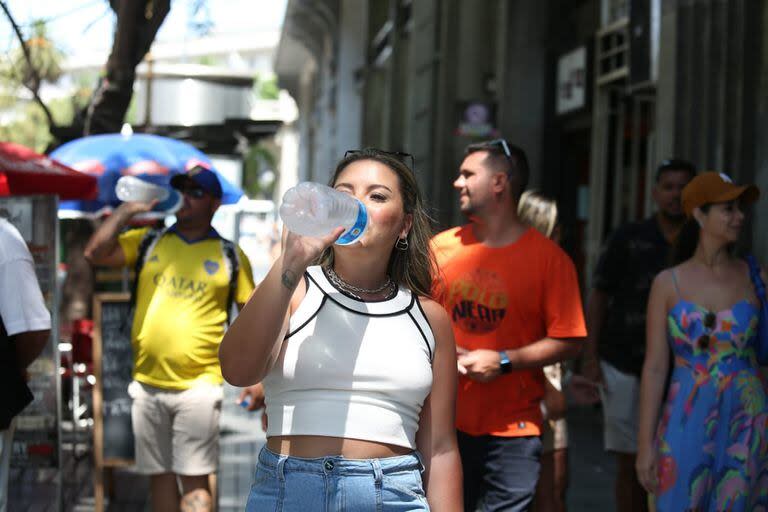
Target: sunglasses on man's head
(503,144)
(399,155)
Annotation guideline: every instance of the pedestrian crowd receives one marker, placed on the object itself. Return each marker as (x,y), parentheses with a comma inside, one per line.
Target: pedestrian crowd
(416,372)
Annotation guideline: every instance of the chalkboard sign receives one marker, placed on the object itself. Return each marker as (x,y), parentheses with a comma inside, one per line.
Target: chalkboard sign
(113,365)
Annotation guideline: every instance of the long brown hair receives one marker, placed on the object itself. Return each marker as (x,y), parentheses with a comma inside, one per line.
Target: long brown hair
(414,267)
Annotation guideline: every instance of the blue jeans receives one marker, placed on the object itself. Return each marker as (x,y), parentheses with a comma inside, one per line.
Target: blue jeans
(330,484)
(500,473)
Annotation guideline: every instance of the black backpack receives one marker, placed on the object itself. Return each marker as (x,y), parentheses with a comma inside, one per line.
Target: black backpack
(15,394)
(148,243)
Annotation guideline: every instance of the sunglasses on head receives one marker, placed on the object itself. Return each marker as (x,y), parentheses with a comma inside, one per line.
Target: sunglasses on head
(709,324)
(503,144)
(193,192)
(505,147)
(399,155)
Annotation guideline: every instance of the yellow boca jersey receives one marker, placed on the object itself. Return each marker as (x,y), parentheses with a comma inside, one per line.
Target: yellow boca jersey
(180,312)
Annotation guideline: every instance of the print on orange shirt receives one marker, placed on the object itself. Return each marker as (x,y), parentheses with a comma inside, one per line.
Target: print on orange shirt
(477,301)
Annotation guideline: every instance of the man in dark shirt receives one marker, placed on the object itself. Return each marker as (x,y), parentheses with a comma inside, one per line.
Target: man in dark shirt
(613,356)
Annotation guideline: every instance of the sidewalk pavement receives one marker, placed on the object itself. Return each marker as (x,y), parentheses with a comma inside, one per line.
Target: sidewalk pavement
(241,440)
(591,469)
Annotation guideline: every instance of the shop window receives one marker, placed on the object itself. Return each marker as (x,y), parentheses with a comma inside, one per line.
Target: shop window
(612,51)
(614,11)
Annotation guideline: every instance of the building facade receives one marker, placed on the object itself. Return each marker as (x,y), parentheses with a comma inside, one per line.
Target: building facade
(596,91)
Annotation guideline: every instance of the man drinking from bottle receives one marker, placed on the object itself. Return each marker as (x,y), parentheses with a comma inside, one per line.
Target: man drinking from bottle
(187,278)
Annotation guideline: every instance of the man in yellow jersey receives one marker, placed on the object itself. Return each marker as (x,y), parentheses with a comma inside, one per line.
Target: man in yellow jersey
(184,287)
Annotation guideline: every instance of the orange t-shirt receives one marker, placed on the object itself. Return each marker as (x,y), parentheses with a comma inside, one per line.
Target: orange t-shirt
(505,298)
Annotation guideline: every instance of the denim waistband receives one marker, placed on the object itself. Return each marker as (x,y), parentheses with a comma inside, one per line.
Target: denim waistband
(339,465)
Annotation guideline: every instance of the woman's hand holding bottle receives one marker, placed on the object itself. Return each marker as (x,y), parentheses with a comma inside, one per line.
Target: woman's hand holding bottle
(299,252)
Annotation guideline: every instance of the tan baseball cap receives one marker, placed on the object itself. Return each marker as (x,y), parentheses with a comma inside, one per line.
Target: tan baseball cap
(715,187)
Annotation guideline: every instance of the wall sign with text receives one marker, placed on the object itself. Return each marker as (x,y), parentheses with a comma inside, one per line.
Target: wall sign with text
(572,81)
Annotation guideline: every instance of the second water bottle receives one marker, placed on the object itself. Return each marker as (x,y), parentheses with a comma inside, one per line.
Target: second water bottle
(311,209)
(131,188)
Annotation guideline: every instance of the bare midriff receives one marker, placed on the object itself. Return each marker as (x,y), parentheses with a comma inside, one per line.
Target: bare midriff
(322,446)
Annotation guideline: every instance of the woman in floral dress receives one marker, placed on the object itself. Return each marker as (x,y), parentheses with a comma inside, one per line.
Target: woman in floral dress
(709,449)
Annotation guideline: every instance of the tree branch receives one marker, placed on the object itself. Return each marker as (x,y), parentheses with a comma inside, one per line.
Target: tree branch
(28,58)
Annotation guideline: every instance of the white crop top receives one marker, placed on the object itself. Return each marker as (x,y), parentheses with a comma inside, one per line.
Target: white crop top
(352,369)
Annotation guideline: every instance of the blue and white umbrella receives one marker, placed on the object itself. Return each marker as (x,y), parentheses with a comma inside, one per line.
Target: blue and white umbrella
(152,158)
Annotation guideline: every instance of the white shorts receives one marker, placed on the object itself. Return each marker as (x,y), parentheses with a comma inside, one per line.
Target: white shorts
(620,395)
(176,431)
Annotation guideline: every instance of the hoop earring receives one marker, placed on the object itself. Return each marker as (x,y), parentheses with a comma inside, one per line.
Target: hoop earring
(401,244)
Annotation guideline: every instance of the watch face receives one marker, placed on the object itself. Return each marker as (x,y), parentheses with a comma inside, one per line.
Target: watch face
(504,365)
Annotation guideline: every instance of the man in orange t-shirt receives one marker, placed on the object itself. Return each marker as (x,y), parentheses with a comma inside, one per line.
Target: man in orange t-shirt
(513,298)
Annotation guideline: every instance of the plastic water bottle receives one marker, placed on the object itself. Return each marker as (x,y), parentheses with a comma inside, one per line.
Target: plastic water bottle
(311,209)
(131,188)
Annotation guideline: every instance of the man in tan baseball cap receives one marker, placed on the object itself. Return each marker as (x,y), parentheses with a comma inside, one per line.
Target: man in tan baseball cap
(715,187)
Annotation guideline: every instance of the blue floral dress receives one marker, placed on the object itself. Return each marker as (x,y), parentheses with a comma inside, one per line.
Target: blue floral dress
(712,438)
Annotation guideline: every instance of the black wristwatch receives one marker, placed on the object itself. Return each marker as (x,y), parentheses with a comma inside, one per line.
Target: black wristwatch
(505,365)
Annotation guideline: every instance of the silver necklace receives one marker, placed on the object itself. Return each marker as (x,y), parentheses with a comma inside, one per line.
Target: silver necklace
(355,290)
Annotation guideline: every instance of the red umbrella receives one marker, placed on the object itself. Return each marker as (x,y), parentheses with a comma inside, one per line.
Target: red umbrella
(24,172)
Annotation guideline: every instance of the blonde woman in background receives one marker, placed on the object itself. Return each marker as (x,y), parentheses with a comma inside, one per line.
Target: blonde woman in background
(540,213)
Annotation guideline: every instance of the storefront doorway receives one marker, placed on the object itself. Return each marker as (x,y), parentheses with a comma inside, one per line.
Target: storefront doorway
(622,171)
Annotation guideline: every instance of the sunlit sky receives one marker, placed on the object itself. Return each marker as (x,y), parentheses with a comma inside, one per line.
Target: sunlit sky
(85,26)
